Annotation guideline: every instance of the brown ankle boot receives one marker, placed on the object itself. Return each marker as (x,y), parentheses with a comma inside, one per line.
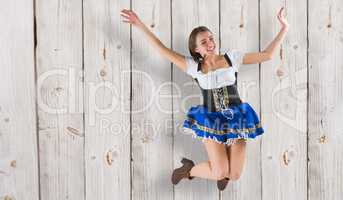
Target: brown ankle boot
(182,172)
(221,184)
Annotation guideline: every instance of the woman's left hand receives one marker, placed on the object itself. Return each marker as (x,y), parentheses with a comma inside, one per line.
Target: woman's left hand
(282,19)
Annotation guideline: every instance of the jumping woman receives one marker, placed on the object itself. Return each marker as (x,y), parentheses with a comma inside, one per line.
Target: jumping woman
(224,123)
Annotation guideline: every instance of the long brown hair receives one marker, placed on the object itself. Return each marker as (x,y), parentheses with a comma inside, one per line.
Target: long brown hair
(192,42)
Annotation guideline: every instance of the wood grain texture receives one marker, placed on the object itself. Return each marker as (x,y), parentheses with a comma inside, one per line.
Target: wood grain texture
(283,100)
(152,140)
(107,100)
(90,113)
(239,30)
(18,131)
(60,114)
(186,16)
(325,33)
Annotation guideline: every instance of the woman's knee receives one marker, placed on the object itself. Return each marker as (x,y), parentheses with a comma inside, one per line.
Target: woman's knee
(220,170)
(235,175)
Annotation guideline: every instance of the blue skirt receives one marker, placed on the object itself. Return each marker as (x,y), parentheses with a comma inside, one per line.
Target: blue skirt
(224,127)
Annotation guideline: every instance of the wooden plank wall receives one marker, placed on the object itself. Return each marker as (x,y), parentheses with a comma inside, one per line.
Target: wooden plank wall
(18,120)
(60,115)
(325,62)
(283,104)
(152,141)
(89,110)
(107,96)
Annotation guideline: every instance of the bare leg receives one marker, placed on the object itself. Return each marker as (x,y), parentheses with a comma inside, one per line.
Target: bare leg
(203,170)
(236,154)
(228,152)
(217,166)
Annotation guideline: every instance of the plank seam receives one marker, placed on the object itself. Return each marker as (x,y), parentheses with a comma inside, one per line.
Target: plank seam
(83,100)
(307,100)
(172,91)
(131,97)
(36,93)
(260,91)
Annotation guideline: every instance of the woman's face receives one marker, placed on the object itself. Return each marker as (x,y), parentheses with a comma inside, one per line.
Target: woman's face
(205,43)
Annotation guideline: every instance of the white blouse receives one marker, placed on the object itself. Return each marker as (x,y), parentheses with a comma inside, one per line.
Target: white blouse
(219,77)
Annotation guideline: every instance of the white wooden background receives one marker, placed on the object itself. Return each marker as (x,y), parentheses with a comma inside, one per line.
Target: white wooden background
(89,110)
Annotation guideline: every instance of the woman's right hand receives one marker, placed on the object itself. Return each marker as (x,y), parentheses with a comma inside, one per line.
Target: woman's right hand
(130,17)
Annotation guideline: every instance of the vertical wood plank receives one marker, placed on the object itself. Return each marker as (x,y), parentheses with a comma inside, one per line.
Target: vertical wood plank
(283,100)
(61,131)
(187,15)
(240,30)
(151,107)
(107,100)
(325,99)
(18,135)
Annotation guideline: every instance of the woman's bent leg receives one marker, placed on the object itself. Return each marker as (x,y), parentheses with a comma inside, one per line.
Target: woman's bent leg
(217,167)
(236,154)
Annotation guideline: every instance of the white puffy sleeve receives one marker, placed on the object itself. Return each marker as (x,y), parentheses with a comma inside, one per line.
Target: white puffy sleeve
(236,57)
(192,66)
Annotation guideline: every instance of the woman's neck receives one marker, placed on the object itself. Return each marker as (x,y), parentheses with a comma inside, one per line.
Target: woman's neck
(213,62)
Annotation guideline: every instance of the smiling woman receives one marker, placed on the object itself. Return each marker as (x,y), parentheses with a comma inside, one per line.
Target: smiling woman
(203,36)
(223,120)
(202,48)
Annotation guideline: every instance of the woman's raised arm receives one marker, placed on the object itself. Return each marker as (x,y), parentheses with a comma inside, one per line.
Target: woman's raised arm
(176,58)
(267,54)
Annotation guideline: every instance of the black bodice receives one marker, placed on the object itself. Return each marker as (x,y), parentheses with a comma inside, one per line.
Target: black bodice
(218,99)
